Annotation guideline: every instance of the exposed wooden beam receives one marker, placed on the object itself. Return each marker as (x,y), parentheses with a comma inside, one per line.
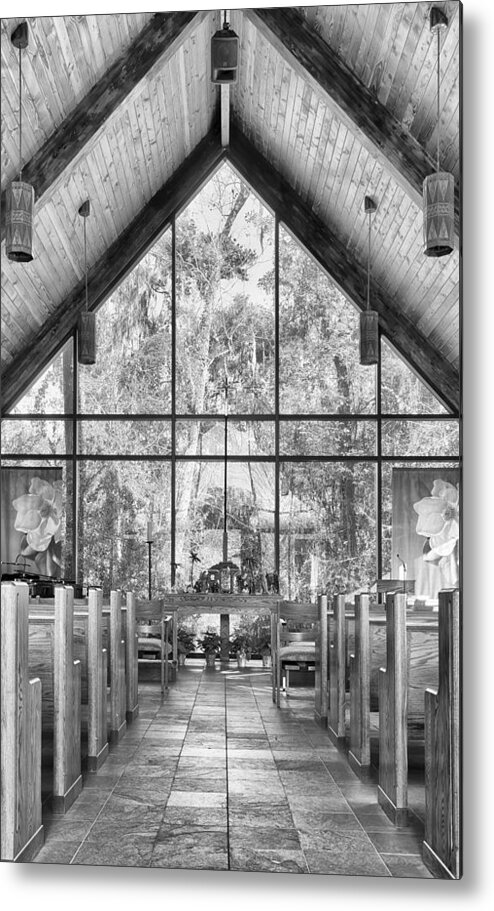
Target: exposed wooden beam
(378,130)
(349,275)
(125,253)
(225,114)
(156,44)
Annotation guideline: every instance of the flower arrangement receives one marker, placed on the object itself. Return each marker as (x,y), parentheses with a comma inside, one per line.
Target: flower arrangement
(439,522)
(241,644)
(39,518)
(185,640)
(210,642)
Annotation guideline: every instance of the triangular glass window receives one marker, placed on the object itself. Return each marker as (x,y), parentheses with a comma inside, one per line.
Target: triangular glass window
(51,392)
(132,373)
(402,392)
(320,370)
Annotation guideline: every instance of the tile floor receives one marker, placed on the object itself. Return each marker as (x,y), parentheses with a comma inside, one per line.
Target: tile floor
(215,777)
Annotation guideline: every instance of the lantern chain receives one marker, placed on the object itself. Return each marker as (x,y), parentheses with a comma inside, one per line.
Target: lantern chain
(438,94)
(20,114)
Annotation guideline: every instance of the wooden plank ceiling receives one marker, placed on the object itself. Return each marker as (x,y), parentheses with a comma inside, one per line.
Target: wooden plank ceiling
(334,102)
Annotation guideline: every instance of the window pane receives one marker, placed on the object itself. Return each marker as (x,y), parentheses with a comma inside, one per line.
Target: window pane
(402,392)
(225,300)
(208,438)
(328,438)
(51,393)
(426,438)
(117,500)
(43,437)
(132,374)
(320,367)
(200,515)
(428,548)
(125,438)
(327,529)
(36,505)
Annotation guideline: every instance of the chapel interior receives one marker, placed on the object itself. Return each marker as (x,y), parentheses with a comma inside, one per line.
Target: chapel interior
(231,440)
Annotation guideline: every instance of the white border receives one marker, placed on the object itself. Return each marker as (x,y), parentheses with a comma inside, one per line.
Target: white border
(46,887)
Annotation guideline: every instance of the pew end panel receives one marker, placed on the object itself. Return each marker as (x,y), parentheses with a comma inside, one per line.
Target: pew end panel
(21,830)
(337,671)
(67,777)
(321,696)
(131,660)
(118,695)
(393,762)
(359,754)
(442,840)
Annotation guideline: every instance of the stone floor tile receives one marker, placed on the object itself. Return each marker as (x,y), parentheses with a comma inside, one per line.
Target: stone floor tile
(121,851)
(250,860)
(407,866)
(260,816)
(179,798)
(195,817)
(274,838)
(328,862)
(310,822)
(196,859)
(57,852)
(397,841)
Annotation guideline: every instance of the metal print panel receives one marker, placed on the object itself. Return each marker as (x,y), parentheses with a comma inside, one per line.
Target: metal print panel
(255,667)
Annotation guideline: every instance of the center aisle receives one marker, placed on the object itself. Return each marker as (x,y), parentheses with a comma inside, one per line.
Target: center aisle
(215,777)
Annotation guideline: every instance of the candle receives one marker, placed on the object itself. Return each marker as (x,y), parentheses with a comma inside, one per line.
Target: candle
(150,531)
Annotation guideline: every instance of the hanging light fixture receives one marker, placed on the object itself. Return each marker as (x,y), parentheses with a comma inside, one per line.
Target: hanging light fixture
(86,328)
(19,197)
(369,319)
(439,188)
(224,55)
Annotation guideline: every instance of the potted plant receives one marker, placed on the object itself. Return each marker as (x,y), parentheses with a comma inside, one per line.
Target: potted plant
(210,644)
(185,643)
(241,646)
(263,647)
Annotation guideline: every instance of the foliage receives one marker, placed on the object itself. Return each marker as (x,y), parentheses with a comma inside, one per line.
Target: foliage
(225,328)
(185,639)
(242,643)
(210,642)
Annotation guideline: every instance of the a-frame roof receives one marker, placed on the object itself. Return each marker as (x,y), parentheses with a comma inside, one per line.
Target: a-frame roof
(332,104)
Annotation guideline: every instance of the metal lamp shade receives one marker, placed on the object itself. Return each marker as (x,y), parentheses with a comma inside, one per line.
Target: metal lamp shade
(439,214)
(369,337)
(86,338)
(224,57)
(19,211)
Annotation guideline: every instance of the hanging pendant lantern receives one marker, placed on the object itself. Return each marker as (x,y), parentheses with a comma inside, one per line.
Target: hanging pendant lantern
(224,55)
(86,327)
(19,197)
(369,319)
(439,188)
(86,338)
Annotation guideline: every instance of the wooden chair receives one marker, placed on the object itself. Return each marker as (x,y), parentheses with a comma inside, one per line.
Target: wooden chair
(152,627)
(293,648)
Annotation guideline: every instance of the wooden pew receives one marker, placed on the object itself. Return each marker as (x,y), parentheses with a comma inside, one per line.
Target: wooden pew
(321,695)
(51,658)
(337,670)
(88,643)
(411,665)
(131,668)
(122,676)
(22,832)
(359,755)
(118,687)
(441,847)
